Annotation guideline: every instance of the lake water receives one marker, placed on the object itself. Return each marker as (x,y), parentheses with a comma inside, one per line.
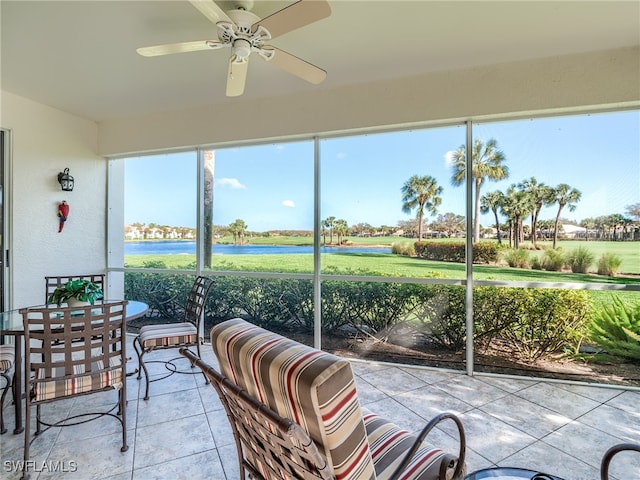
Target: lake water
(189,248)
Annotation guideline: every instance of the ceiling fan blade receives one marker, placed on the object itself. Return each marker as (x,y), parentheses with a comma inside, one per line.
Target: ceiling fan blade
(294,16)
(296,66)
(236,76)
(170,48)
(211,10)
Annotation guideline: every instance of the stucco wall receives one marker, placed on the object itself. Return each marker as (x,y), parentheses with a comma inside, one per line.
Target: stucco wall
(44,142)
(569,83)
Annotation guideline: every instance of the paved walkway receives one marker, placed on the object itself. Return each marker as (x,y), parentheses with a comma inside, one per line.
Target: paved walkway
(181,432)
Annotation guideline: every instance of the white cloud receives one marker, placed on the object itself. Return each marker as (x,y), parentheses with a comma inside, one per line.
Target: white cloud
(448,158)
(230,182)
(341,155)
(289,203)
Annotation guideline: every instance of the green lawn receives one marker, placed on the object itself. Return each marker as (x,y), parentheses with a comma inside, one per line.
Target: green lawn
(629,252)
(374,264)
(401,266)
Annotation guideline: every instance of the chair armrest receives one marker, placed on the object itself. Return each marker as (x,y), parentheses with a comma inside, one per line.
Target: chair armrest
(608,456)
(449,460)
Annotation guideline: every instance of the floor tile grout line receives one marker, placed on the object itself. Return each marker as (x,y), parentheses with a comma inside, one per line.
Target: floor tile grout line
(572,455)
(608,432)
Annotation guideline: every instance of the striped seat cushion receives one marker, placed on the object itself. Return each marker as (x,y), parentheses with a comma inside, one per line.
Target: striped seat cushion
(389,444)
(59,385)
(7,357)
(168,335)
(313,388)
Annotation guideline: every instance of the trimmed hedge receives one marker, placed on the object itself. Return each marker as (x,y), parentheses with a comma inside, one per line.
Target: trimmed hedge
(535,321)
(483,252)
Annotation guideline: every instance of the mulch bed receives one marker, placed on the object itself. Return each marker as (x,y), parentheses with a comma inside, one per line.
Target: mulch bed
(497,358)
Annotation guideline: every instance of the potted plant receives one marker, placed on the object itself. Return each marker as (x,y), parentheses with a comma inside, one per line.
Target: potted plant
(76,292)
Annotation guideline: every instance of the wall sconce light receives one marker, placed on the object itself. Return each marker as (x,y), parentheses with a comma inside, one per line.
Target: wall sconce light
(65,180)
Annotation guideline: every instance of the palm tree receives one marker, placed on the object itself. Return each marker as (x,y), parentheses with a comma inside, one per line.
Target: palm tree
(616,220)
(565,196)
(342,229)
(601,227)
(421,193)
(329,223)
(540,195)
(492,202)
(517,205)
(238,229)
(487,162)
(589,224)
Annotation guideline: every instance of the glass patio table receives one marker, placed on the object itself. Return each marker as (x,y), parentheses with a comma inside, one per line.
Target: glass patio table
(509,473)
(11,325)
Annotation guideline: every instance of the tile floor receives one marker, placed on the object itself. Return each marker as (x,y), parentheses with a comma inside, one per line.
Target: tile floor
(181,432)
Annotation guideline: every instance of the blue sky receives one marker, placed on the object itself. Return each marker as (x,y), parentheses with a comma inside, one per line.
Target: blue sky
(271,186)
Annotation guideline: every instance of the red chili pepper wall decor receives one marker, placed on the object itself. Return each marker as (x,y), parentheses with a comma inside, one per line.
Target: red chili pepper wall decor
(63,213)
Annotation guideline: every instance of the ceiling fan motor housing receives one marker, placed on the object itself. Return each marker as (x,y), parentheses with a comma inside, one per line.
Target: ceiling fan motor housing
(243,20)
(240,35)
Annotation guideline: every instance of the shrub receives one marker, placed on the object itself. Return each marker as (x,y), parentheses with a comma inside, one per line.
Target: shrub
(579,260)
(494,308)
(218,307)
(616,328)
(442,309)
(549,320)
(483,252)
(441,251)
(486,252)
(608,264)
(517,258)
(406,249)
(260,299)
(378,306)
(553,260)
(164,293)
(537,322)
(536,262)
(297,298)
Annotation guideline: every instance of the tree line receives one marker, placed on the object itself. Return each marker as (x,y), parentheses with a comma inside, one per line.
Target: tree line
(518,203)
(521,202)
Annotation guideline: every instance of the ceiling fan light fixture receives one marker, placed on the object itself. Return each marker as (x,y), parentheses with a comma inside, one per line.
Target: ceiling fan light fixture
(241,48)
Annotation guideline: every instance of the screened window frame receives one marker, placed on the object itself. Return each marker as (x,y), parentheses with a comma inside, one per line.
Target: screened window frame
(115,172)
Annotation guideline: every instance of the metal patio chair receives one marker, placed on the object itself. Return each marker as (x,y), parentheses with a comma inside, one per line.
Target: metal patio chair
(53,282)
(295,414)
(612,452)
(7,360)
(69,352)
(174,335)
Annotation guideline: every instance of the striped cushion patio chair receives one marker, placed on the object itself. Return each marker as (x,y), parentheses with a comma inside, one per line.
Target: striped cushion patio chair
(315,391)
(7,359)
(174,335)
(612,452)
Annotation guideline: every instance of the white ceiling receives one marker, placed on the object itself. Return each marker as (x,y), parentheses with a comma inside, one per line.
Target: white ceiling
(80,56)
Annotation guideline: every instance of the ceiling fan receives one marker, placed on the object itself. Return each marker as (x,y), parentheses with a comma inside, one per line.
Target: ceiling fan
(244,32)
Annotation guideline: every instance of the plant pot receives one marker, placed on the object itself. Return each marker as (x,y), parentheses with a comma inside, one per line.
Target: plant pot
(74,302)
